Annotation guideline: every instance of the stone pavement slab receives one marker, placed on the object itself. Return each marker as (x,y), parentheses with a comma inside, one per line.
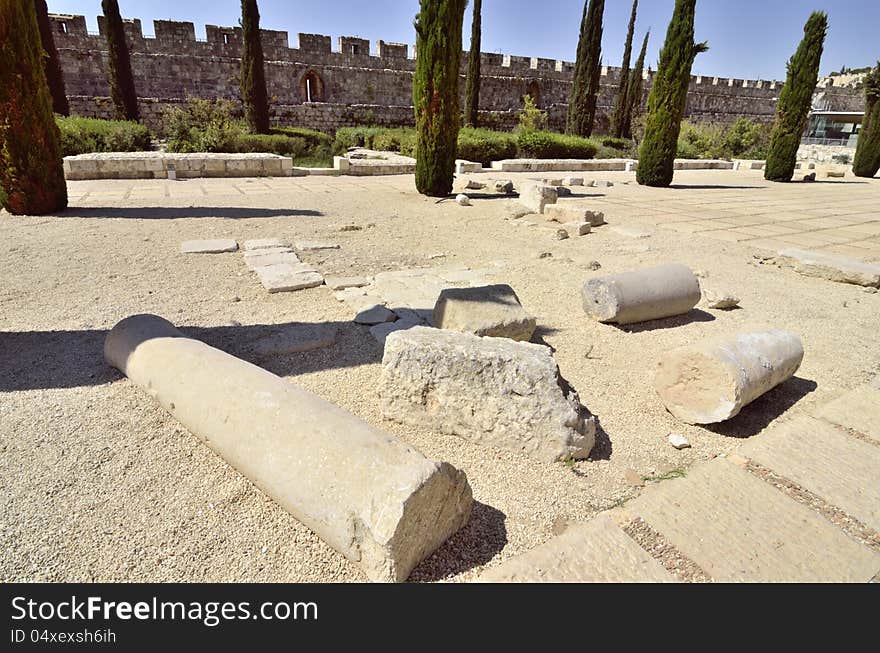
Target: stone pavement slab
(825,460)
(858,409)
(597,551)
(833,267)
(737,528)
(216,246)
(283,277)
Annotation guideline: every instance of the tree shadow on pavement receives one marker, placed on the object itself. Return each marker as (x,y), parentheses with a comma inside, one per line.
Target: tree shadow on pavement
(177,213)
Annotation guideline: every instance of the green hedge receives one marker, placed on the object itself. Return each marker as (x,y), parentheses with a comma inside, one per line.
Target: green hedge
(483,145)
(86,135)
(743,139)
(549,145)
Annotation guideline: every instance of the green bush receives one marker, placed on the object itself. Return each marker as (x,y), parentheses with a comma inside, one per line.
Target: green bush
(743,139)
(531,118)
(202,126)
(549,145)
(347,137)
(292,146)
(616,143)
(483,146)
(312,137)
(85,135)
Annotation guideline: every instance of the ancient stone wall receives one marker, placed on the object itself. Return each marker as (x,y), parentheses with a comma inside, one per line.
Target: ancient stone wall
(314,86)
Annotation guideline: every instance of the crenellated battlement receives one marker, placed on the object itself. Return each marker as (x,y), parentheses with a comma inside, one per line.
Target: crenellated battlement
(173,64)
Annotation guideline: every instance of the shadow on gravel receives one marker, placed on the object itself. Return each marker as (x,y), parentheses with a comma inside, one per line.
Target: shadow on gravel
(713,187)
(755,417)
(481,539)
(695,315)
(39,360)
(177,213)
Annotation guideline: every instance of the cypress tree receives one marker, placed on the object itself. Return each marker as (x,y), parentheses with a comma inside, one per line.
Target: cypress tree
(253,75)
(619,123)
(634,93)
(796,100)
(585,85)
(31,172)
(668,97)
(436,93)
(54,76)
(121,80)
(867,160)
(472,90)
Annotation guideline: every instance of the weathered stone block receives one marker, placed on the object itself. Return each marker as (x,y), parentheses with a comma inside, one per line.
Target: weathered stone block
(535,196)
(484,311)
(491,391)
(216,246)
(831,266)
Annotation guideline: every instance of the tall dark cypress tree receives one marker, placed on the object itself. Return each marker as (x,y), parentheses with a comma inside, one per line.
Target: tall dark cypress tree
(585,85)
(619,122)
(668,98)
(472,89)
(436,93)
(54,76)
(867,159)
(121,80)
(31,170)
(253,75)
(796,100)
(634,93)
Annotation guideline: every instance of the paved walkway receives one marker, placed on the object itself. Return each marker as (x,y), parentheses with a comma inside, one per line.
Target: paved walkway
(834,215)
(799,503)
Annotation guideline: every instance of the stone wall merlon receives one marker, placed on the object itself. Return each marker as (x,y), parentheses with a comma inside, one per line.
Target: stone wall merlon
(392,50)
(354,45)
(314,43)
(132,27)
(174,30)
(69,24)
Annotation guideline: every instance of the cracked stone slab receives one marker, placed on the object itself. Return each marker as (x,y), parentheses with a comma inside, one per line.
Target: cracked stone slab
(254,262)
(215,246)
(283,277)
(739,528)
(833,267)
(341,283)
(263,243)
(825,460)
(597,551)
(375,314)
(313,245)
(484,311)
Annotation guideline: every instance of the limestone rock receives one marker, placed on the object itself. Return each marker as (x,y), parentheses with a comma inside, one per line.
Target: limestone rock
(491,391)
(475,185)
(217,246)
(463,200)
(381,331)
(573,181)
(535,196)
(574,213)
(576,228)
(375,314)
(484,311)
(561,234)
(678,441)
(504,186)
(830,266)
(719,298)
(274,258)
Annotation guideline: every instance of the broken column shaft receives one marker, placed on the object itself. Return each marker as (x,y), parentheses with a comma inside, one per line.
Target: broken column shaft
(641,295)
(712,381)
(371,497)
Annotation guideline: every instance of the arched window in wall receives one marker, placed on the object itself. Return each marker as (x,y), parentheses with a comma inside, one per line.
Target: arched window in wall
(312,87)
(533,88)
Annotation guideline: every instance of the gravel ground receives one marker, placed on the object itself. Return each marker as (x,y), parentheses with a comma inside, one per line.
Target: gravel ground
(99,483)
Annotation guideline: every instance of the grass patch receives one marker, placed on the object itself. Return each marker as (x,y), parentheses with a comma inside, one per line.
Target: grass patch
(666,476)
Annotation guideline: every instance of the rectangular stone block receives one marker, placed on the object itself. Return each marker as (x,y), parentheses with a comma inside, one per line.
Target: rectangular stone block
(492,391)
(833,267)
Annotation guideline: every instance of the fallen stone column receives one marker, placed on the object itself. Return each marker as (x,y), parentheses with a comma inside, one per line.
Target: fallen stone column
(488,390)
(712,381)
(648,294)
(374,499)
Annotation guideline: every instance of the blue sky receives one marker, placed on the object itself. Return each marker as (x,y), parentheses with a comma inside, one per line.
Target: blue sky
(749,39)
